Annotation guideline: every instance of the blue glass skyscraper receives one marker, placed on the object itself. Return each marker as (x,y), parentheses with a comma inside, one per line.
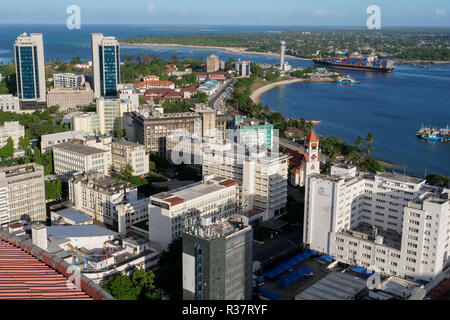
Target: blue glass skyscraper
(106,65)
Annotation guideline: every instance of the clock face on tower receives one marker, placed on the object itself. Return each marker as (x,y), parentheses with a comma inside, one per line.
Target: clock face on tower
(313,157)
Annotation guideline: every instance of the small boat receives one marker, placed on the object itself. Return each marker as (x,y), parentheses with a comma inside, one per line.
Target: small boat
(347,80)
(434,134)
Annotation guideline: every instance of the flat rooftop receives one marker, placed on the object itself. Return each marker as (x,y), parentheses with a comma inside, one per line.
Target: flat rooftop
(74,215)
(334,286)
(195,190)
(128,143)
(90,230)
(108,184)
(79,148)
(390,238)
(400,178)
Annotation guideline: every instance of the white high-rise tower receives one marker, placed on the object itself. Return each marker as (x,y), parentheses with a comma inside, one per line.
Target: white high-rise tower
(282,50)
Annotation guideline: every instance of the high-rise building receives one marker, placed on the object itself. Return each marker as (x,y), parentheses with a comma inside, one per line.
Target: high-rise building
(242,68)
(22,193)
(218,260)
(212,63)
(261,175)
(106,65)
(392,223)
(251,132)
(30,71)
(171,213)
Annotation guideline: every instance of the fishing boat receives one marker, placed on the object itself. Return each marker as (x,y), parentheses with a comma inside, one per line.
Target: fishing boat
(347,80)
(434,134)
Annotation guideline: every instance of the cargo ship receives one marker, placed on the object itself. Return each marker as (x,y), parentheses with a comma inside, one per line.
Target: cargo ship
(433,134)
(371,63)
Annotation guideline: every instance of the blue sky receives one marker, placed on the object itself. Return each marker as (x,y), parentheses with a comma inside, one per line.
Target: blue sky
(234,12)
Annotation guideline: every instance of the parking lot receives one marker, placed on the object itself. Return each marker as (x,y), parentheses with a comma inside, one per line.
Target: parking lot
(319,270)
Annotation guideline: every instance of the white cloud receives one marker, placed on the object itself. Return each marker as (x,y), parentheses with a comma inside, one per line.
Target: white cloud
(335,12)
(320,12)
(151,8)
(440,12)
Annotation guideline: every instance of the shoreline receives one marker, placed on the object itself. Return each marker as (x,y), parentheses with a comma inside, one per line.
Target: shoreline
(258,93)
(236,50)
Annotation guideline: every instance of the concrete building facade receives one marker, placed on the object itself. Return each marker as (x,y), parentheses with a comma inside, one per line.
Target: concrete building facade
(125,152)
(22,193)
(11,129)
(172,213)
(218,261)
(396,224)
(212,63)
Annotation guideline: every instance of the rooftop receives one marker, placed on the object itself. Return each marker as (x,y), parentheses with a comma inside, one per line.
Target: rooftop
(128,143)
(79,148)
(90,230)
(74,215)
(334,286)
(400,178)
(103,183)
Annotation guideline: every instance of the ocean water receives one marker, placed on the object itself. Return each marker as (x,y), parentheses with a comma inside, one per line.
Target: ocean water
(390,106)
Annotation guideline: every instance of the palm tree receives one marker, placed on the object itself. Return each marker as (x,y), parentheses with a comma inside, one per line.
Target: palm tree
(358,142)
(369,138)
(368,149)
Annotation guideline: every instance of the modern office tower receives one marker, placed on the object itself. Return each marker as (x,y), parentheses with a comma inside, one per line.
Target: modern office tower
(212,63)
(22,193)
(98,195)
(106,65)
(73,157)
(126,152)
(218,260)
(395,224)
(261,175)
(251,132)
(11,129)
(30,71)
(172,213)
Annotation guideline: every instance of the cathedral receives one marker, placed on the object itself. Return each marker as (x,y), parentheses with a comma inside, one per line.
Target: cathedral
(304,164)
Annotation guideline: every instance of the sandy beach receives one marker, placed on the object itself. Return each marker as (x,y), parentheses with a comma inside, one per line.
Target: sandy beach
(258,93)
(236,50)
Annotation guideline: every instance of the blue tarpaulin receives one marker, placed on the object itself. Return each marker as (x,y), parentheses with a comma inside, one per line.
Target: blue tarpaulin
(272,273)
(269,294)
(362,270)
(294,276)
(325,258)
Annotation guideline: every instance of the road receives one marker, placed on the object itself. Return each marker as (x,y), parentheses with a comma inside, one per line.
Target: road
(217,101)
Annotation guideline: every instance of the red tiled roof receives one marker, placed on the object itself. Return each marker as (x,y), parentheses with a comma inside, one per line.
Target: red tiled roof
(228,183)
(174,200)
(154,82)
(440,290)
(169,70)
(24,277)
(311,137)
(297,157)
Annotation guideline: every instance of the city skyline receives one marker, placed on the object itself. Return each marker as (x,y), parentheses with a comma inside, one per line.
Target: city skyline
(288,13)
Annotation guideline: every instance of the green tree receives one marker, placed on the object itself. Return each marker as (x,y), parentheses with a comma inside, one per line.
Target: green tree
(438,180)
(7,151)
(128,170)
(121,287)
(358,142)
(169,275)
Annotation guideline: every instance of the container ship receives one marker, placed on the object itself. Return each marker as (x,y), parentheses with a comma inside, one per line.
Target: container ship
(371,63)
(434,134)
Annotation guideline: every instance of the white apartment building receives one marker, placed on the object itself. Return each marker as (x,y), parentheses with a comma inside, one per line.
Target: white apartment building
(172,213)
(125,152)
(22,193)
(68,80)
(98,195)
(8,102)
(392,223)
(128,95)
(49,140)
(262,177)
(11,129)
(73,157)
(110,112)
(85,121)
